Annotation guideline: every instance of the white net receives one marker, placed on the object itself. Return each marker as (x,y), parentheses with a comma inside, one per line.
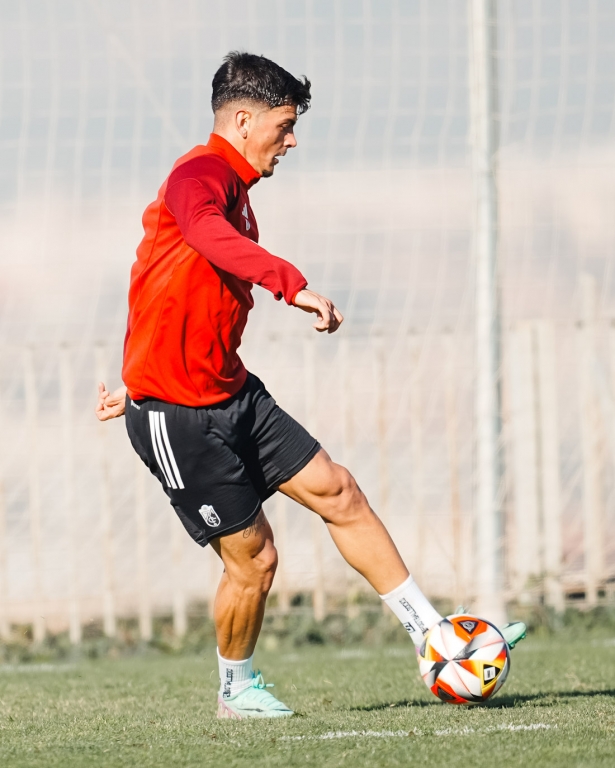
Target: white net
(97,100)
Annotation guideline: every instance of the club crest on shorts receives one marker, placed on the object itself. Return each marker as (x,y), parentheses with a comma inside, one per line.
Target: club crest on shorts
(209,514)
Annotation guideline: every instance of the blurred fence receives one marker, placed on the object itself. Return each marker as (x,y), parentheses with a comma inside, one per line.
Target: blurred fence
(97,100)
(87,535)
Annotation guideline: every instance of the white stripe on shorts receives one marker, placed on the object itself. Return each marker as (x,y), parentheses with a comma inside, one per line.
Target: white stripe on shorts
(154,432)
(165,461)
(167,442)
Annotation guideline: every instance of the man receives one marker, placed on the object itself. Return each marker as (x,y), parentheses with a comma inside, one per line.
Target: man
(204,426)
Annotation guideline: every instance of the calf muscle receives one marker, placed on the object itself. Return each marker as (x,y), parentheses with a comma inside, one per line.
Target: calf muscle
(250,560)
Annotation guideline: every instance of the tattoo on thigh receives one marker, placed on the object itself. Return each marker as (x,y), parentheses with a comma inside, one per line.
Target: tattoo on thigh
(255,525)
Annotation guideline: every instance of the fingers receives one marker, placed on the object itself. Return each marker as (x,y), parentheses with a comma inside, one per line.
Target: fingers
(329,317)
(105,412)
(101,410)
(337,319)
(324,321)
(110,405)
(103,392)
(102,398)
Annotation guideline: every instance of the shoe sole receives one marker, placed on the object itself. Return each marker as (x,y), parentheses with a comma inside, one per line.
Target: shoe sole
(518,640)
(226,713)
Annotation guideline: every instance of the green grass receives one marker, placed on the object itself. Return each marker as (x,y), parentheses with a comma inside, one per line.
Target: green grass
(556,709)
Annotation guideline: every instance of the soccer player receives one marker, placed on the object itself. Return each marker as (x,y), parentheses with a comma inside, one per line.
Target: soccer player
(203,425)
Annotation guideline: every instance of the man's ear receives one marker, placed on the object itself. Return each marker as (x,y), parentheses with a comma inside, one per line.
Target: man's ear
(242,122)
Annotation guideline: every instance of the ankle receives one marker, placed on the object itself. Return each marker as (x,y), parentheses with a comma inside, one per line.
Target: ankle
(235,675)
(413,609)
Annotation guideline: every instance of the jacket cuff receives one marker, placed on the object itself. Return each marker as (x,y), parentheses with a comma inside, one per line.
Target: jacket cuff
(291,303)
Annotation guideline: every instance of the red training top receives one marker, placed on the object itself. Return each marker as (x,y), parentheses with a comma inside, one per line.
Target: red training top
(191,285)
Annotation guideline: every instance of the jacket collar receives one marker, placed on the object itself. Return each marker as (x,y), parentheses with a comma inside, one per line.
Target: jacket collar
(220,146)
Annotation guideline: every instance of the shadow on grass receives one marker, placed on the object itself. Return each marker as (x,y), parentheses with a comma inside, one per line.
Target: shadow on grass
(545,698)
(394,704)
(500,702)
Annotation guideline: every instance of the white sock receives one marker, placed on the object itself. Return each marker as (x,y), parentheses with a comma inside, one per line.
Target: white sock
(413,609)
(235,676)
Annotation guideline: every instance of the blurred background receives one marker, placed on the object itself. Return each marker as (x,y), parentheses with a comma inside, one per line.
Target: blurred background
(375,206)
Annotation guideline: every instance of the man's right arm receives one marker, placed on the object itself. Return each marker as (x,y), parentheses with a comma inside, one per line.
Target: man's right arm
(110,405)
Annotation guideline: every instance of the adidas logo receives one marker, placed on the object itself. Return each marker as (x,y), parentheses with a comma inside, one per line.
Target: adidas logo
(245,214)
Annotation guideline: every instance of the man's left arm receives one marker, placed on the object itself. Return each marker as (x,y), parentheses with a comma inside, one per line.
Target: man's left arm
(199,210)
(329,318)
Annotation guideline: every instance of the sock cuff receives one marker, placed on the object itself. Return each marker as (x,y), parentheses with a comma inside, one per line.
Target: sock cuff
(242,668)
(233,661)
(398,590)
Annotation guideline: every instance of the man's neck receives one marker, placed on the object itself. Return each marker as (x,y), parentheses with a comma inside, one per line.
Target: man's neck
(233,138)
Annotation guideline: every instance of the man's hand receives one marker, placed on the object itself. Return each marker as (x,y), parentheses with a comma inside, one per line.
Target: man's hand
(110,405)
(329,318)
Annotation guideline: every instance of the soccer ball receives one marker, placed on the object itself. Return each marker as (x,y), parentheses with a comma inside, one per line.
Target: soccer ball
(464,660)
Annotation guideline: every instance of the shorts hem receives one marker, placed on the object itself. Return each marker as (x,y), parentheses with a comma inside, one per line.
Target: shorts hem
(238,526)
(297,467)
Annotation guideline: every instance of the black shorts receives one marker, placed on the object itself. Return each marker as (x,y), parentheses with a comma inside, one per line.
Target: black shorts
(217,464)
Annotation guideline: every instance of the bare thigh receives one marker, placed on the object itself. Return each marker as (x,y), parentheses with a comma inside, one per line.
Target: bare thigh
(327,489)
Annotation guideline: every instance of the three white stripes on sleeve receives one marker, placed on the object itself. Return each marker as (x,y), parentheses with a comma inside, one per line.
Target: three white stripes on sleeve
(162,449)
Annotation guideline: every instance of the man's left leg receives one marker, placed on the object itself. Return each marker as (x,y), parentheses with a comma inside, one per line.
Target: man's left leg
(363,541)
(330,490)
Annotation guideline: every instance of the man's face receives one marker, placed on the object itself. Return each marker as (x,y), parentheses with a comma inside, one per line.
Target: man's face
(270,134)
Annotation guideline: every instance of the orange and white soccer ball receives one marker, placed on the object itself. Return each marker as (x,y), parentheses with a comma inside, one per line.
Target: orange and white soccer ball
(464,660)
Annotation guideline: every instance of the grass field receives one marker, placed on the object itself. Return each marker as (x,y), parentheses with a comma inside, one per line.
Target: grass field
(358,707)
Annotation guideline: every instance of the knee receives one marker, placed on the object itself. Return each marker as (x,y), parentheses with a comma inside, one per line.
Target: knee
(263,568)
(344,501)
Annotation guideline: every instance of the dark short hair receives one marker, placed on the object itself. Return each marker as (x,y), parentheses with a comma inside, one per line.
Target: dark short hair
(247,77)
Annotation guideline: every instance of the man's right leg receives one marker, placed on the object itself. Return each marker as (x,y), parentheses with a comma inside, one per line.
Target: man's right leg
(250,560)
(217,506)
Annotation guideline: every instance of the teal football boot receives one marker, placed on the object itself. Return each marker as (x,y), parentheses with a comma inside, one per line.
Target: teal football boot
(254,701)
(513,632)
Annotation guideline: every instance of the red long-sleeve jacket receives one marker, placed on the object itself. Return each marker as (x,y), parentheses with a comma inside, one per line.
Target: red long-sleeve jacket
(191,285)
